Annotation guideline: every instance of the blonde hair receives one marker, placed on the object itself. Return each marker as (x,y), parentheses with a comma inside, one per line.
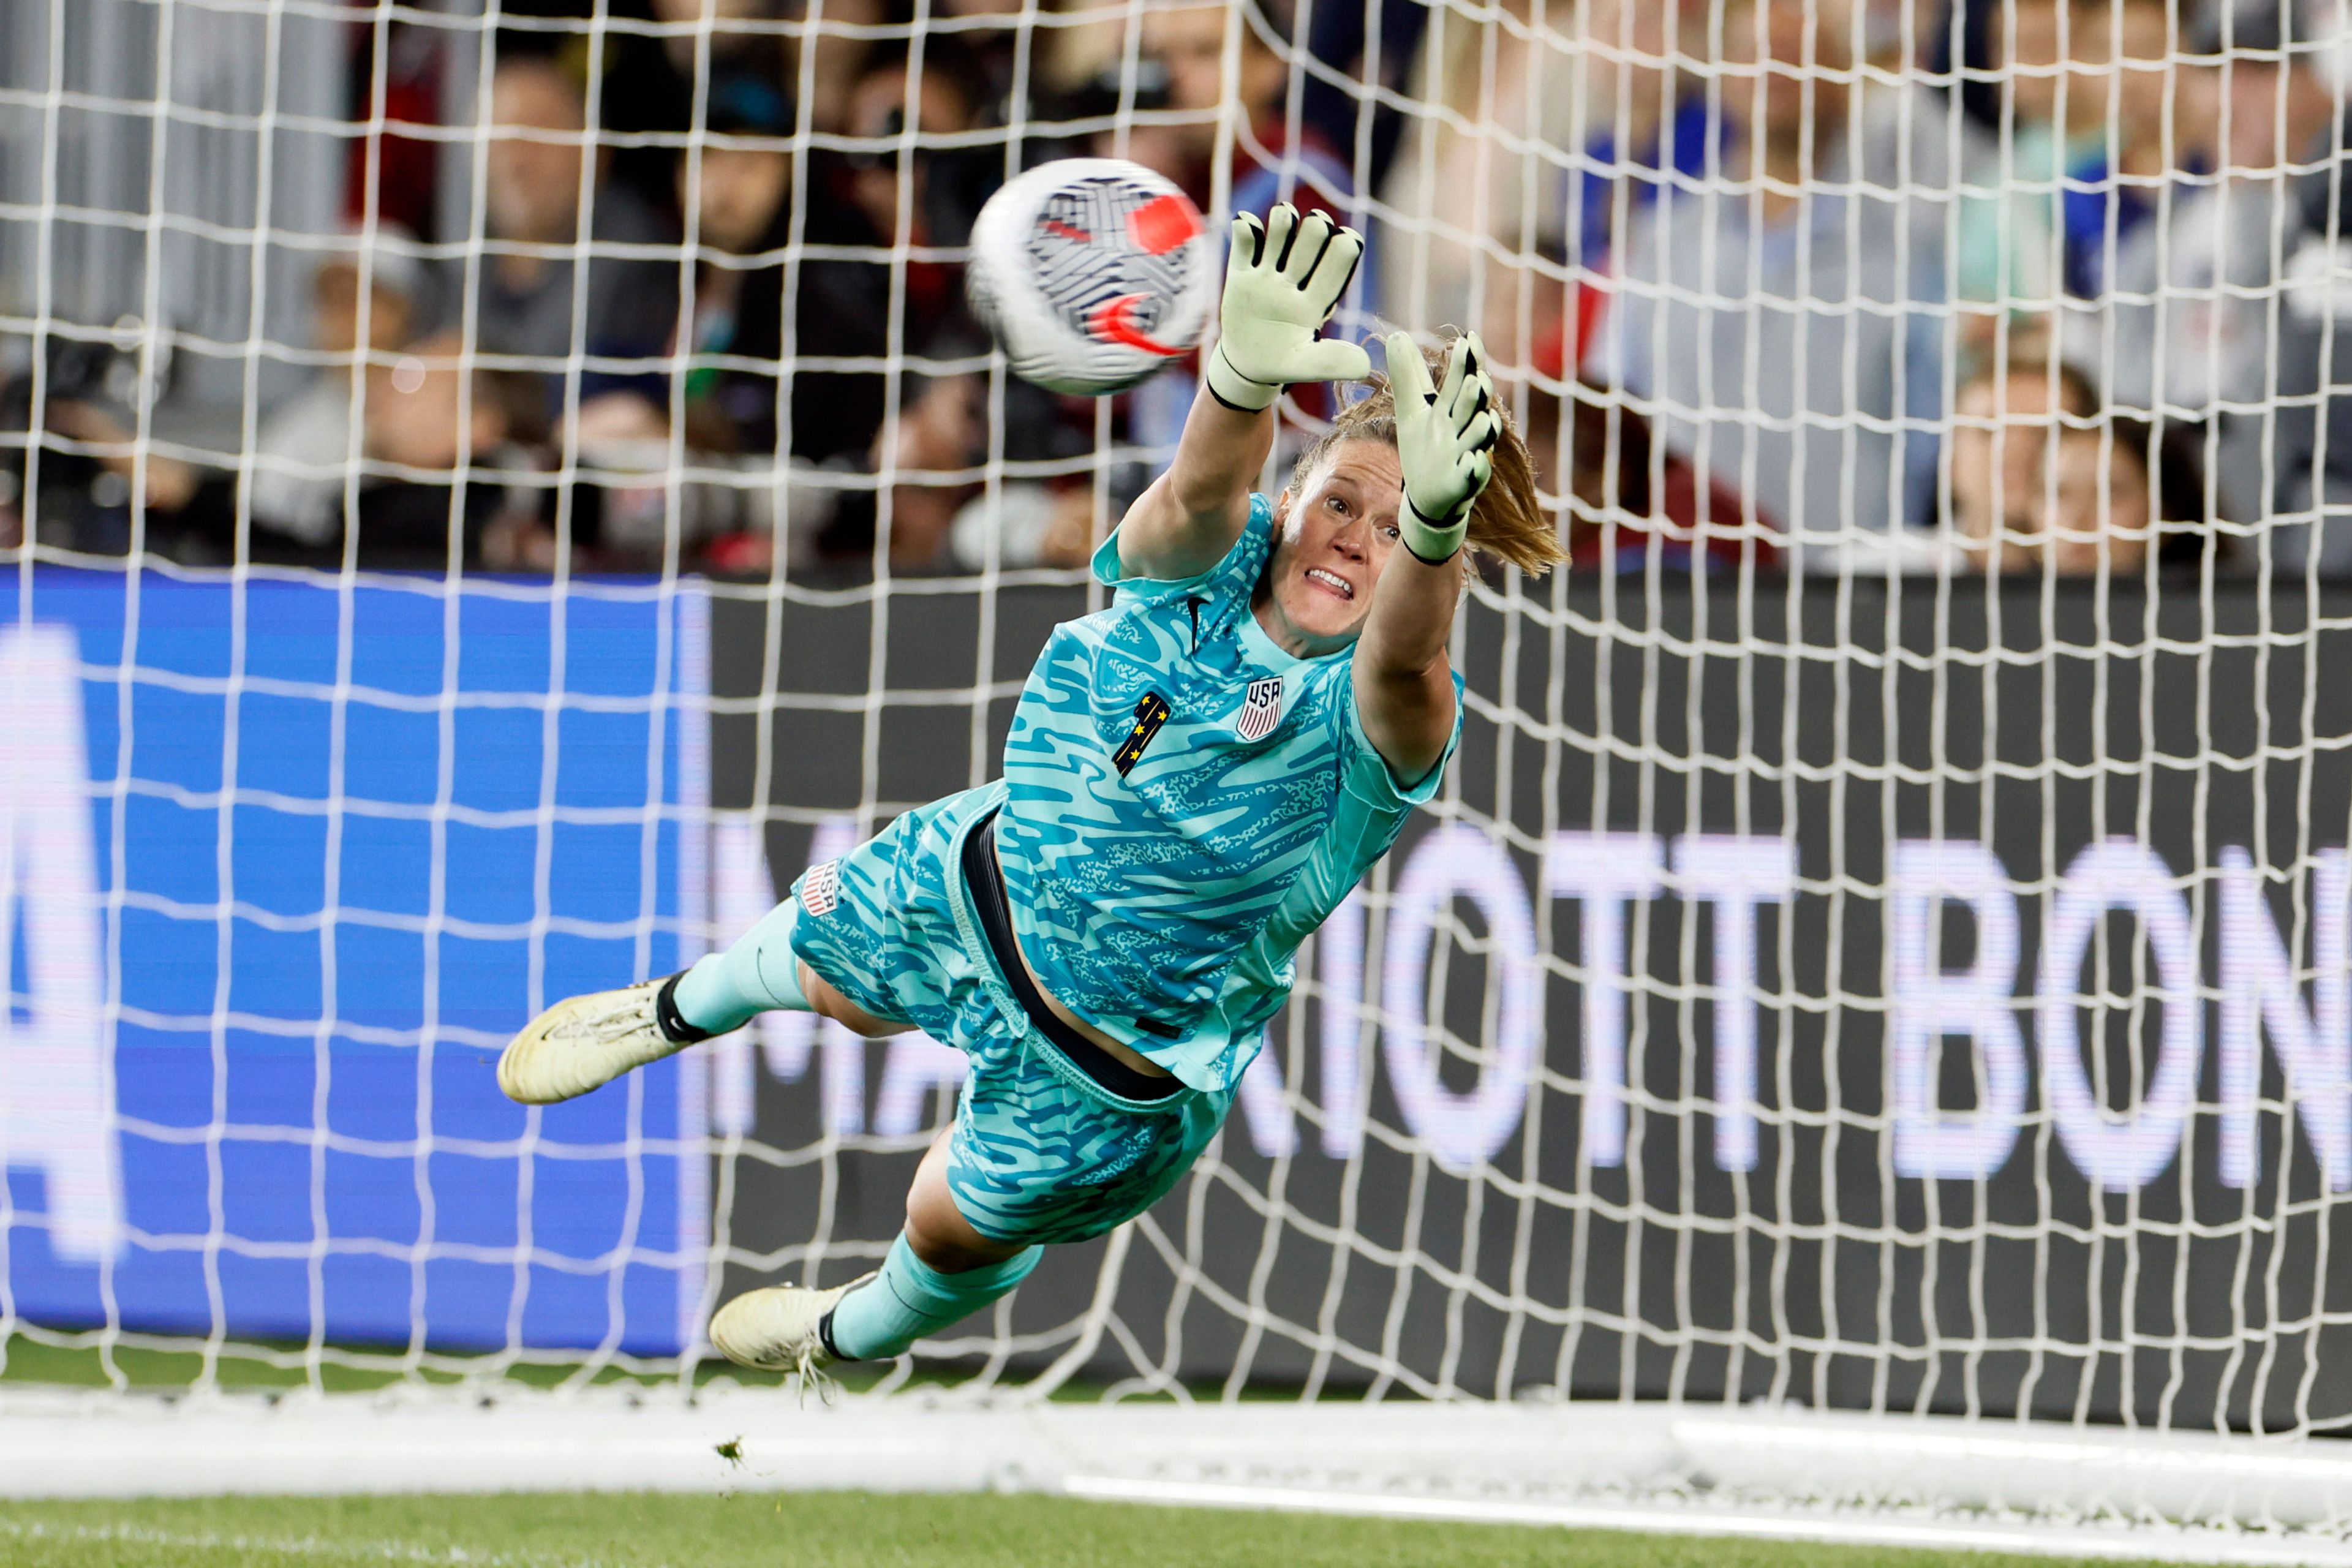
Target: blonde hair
(1508,521)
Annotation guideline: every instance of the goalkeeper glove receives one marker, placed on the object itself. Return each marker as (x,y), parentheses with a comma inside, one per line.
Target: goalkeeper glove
(1446,440)
(1283,280)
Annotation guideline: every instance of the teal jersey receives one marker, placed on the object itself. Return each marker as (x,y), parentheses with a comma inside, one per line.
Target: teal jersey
(1185,803)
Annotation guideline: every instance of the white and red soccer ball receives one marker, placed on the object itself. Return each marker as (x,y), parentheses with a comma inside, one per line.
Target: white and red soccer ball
(1093,273)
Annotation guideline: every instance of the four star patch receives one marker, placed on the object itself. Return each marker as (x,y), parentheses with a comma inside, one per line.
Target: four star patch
(1149,714)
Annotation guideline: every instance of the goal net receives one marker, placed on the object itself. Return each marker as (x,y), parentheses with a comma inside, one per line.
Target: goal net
(493,490)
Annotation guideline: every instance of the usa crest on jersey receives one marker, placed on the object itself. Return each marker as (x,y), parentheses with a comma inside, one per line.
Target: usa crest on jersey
(821,889)
(1261,709)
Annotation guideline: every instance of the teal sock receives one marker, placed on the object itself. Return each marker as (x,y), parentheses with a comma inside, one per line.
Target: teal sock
(725,991)
(910,1299)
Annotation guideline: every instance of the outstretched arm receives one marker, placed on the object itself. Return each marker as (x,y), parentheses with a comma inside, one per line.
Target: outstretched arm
(1283,280)
(1403,680)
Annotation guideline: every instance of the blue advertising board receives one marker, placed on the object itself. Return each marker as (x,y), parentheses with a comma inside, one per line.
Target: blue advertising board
(286,862)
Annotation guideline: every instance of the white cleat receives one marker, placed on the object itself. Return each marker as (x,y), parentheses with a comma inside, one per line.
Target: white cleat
(585,1044)
(779,1328)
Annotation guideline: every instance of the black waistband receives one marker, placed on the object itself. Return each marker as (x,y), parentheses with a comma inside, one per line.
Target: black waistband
(982,875)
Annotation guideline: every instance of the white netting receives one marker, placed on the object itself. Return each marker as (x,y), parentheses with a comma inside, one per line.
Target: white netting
(511,484)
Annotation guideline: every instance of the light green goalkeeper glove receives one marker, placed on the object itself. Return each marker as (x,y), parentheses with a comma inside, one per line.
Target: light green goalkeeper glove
(1445,441)
(1283,279)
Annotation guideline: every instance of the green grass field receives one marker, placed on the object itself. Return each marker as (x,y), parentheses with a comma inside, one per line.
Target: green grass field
(835,1530)
(822,1529)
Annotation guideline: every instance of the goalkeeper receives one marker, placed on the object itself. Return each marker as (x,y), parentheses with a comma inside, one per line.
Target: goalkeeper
(1194,779)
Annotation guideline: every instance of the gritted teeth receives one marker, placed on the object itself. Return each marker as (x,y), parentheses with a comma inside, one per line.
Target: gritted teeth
(1338,583)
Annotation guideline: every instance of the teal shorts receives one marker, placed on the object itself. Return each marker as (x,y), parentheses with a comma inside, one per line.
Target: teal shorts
(1041,1152)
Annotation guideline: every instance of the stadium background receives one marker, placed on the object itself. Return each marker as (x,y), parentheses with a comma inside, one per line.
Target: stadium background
(363,785)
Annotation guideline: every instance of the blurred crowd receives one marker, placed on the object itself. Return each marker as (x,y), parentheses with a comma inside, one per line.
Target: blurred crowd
(2017,285)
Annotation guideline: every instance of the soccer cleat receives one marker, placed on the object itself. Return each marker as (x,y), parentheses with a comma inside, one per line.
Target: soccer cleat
(781,1329)
(591,1040)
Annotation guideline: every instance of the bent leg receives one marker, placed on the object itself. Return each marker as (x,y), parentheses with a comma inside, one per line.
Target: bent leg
(937,1230)
(760,973)
(939,1271)
(725,991)
(1018,1174)
(824,1000)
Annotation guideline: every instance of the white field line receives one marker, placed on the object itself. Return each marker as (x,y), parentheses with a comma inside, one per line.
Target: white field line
(2143,1545)
(246,1546)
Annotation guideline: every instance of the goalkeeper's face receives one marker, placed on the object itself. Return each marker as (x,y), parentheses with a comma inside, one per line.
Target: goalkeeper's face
(1333,537)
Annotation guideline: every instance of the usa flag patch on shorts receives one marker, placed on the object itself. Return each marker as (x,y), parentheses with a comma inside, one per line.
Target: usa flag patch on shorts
(1261,709)
(821,889)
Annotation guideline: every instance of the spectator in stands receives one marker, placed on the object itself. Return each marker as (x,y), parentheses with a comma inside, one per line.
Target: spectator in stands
(107,491)
(742,185)
(987,50)
(1270,165)
(434,437)
(2083,117)
(414,444)
(941,428)
(1025,523)
(303,450)
(1179,86)
(2196,329)
(536,165)
(841,307)
(1793,343)
(979,65)
(1372,51)
(2045,478)
(2040,74)
(1586,79)
(2007,426)
(2310,453)
(181,510)
(1628,503)
(1137,99)
(2006,272)
(2013,53)
(1181,67)
(650,85)
(886,99)
(844,48)
(2119,100)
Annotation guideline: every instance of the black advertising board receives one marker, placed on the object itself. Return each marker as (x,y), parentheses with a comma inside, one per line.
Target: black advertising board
(1861,994)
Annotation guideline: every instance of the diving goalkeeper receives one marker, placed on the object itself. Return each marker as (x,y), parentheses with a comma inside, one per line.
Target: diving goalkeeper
(1194,779)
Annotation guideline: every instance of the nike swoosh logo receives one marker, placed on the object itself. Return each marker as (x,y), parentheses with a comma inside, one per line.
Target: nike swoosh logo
(1110,322)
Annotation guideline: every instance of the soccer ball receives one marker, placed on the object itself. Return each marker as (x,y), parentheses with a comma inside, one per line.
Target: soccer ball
(1092,273)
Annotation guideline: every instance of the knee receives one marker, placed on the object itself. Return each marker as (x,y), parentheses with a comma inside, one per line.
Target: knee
(829,1002)
(826,1002)
(948,1256)
(946,1241)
